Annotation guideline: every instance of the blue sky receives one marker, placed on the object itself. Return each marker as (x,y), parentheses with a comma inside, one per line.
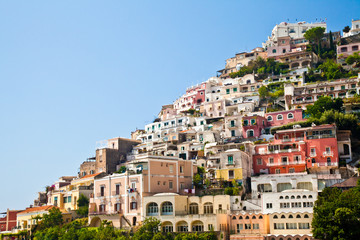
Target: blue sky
(76,72)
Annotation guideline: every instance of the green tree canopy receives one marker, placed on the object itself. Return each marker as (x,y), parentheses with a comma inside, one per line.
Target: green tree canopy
(346,29)
(322,104)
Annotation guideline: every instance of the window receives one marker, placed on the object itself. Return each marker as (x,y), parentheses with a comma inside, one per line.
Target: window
(235,89)
(264,187)
(210,227)
(231,174)
(268,205)
(233,133)
(312,152)
(274,51)
(259,161)
(253,121)
(239,227)
(170,185)
(271,160)
(152,209)
(275,217)
(355,48)
(193,208)
(279,226)
(343,87)
(291,170)
(181,169)
(269,118)
(102,208)
(279,117)
(227,91)
(256,226)
(290,116)
(297,158)
(246,122)
(291,226)
(230,159)
(304,226)
(102,191)
(247,226)
(331,88)
(167,208)
(283,186)
(171,168)
(208,208)
(277,171)
(250,133)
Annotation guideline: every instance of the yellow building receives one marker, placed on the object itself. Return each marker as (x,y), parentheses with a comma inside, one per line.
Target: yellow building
(229,174)
(66,196)
(29,217)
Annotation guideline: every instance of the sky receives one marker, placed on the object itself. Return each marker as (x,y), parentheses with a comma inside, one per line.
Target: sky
(76,72)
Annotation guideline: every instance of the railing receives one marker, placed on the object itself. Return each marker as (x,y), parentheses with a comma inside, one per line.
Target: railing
(325,164)
(221,211)
(285,163)
(312,154)
(100,194)
(321,136)
(287,140)
(105,212)
(328,153)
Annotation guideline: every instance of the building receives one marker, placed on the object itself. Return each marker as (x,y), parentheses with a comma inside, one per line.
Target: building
(348,46)
(193,97)
(112,152)
(248,225)
(8,220)
(118,197)
(30,217)
(179,213)
(355,28)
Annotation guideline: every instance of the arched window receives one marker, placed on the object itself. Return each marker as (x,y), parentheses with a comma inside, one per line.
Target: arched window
(197,226)
(310,196)
(194,208)
(306,216)
(167,227)
(281,197)
(279,117)
(208,208)
(250,133)
(254,217)
(291,216)
(269,118)
(304,196)
(152,209)
(292,197)
(286,197)
(298,216)
(167,208)
(275,217)
(274,51)
(240,217)
(298,197)
(261,217)
(290,116)
(247,217)
(282,216)
(234,217)
(182,226)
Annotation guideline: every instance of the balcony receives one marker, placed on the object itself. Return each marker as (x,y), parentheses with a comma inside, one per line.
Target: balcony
(328,154)
(285,163)
(313,154)
(286,140)
(232,125)
(115,193)
(112,212)
(321,136)
(100,194)
(325,164)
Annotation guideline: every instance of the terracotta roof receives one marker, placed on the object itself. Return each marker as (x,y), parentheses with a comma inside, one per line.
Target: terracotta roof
(351,182)
(91,175)
(37,209)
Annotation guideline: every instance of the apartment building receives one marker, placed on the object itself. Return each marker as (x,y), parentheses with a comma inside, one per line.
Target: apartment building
(249,225)
(179,213)
(300,97)
(193,97)
(8,220)
(118,197)
(348,46)
(355,28)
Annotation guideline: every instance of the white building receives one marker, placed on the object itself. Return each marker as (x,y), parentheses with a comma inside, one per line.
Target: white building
(355,28)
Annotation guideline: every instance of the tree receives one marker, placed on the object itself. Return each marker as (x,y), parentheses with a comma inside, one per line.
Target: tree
(346,29)
(263,92)
(336,215)
(331,69)
(83,206)
(148,230)
(314,35)
(322,104)
(54,218)
(354,58)
(198,181)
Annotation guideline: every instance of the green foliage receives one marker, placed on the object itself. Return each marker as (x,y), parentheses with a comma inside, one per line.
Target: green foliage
(346,29)
(322,104)
(336,214)
(148,230)
(83,204)
(198,181)
(314,35)
(331,70)
(354,58)
(122,169)
(54,218)
(262,67)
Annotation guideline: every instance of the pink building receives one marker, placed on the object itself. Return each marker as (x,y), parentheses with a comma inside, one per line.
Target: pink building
(253,126)
(118,197)
(283,117)
(298,149)
(193,97)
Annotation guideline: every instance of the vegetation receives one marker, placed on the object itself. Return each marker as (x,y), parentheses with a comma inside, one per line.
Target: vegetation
(337,214)
(122,169)
(314,36)
(234,190)
(83,206)
(354,58)
(322,104)
(262,68)
(346,29)
(198,178)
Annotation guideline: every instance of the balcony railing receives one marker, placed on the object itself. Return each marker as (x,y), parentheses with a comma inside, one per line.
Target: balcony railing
(286,140)
(328,154)
(105,212)
(321,136)
(285,163)
(325,164)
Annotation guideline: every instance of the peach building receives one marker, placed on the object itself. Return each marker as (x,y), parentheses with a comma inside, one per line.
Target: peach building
(118,197)
(249,226)
(179,213)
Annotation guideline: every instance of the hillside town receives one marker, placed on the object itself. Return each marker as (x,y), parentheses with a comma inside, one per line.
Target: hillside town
(244,155)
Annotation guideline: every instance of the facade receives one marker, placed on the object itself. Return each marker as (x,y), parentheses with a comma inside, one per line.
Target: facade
(249,226)
(355,28)
(188,213)
(193,97)
(8,220)
(118,197)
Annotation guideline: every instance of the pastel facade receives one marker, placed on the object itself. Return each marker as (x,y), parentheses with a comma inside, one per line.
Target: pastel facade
(249,226)
(253,126)
(8,221)
(193,97)
(118,197)
(188,213)
(291,224)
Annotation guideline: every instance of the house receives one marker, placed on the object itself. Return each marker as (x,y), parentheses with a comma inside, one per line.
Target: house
(8,220)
